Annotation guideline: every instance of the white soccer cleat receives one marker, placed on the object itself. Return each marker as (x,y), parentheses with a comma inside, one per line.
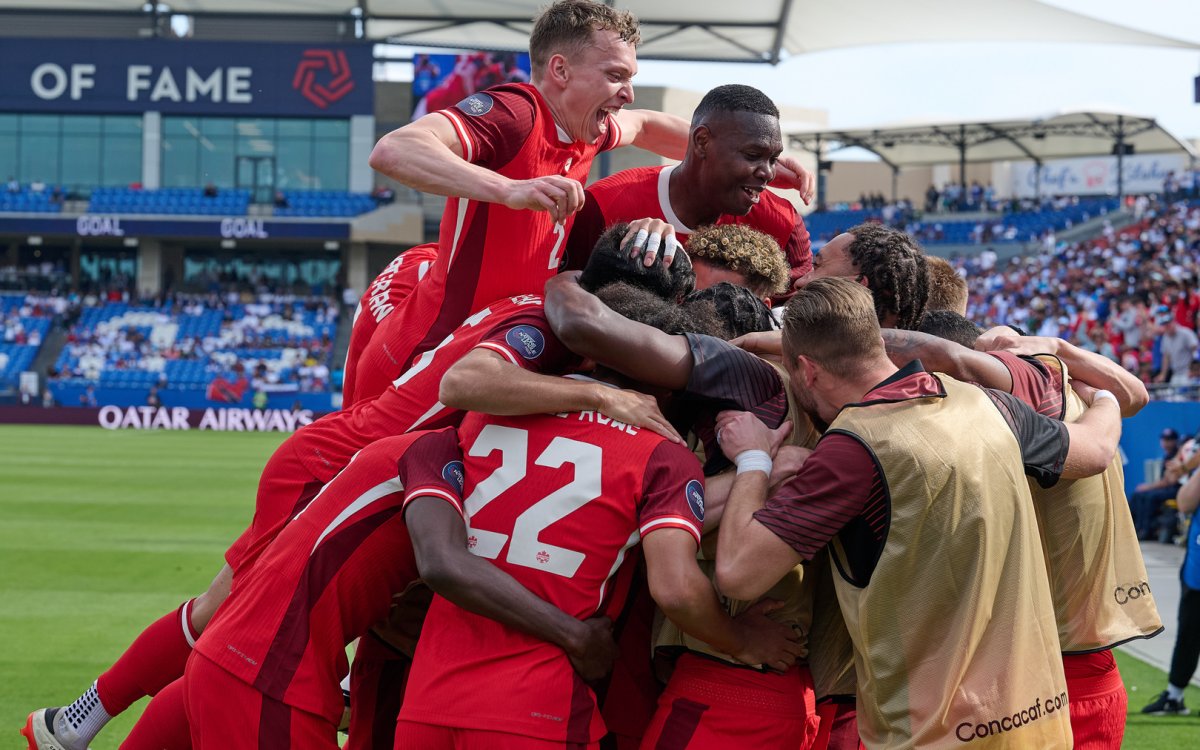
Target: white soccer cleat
(38,733)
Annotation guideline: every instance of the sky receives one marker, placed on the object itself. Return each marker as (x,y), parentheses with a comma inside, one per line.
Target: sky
(888,84)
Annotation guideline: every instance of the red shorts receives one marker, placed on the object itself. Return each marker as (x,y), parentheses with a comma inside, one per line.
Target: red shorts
(413,735)
(632,691)
(1098,700)
(712,705)
(378,675)
(225,713)
(839,726)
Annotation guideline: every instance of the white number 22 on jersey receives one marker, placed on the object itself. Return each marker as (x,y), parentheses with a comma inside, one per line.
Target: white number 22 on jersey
(525,548)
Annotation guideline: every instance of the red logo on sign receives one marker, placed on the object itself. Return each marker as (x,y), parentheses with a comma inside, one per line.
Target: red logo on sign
(338,85)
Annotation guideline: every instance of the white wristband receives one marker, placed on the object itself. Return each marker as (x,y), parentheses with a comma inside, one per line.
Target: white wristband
(1105,394)
(753,460)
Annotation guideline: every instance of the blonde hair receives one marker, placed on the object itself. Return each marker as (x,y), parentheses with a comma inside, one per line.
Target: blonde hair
(947,290)
(566,27)
(832,321)
(745,251)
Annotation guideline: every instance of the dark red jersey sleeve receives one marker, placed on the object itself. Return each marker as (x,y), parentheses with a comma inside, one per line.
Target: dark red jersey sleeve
(493,125)
(838,489)
(527,341)
(432,467)
(589,225)
(798,247)
(1034,383)
(1044,441)
(672,491)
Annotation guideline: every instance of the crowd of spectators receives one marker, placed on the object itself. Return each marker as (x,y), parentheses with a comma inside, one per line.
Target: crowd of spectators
(1131,296)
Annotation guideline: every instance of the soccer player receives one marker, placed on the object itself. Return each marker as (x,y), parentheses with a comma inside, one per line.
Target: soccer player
(513,328)
(1098,579)
(512,160)
(940,575)
(268,666)
(560,502)
(393,285)
(888,262)
(732,149)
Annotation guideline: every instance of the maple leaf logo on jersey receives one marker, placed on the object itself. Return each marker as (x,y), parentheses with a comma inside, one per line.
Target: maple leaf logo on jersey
(339,84)
(527,340)
(472,541)
(543,557)
(695,498)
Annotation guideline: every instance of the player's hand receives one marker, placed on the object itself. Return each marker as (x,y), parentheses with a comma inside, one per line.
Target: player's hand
(987,341)
(739,431)
(595,651)
(1020,345)
(790,174)
(560,196)
(764,641)
(646,237)
(769,343)
(637,409)
(787,463)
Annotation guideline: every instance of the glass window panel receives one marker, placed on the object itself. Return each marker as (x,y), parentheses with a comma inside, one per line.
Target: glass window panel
(330,165)
(121,160)
(9,166)
(216,162)
(8,123)
(42,124)
(81,159)
(223,126)
(80,124)
(256,128)
(39,158)
(293,165)
(180,161)
(331,128)
(179,126)
(123,124)
(294,128)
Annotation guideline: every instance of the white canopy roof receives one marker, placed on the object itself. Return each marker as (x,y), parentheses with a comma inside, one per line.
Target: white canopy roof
(759,31)
(1038,139)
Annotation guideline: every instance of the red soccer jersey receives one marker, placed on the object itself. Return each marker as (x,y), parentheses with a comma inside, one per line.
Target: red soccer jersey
(556,502)
(393,284)
(643,193)
(486,250)
(515,328)
(330,574)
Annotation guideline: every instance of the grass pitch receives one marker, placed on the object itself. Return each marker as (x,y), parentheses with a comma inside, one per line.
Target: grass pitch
(103,532)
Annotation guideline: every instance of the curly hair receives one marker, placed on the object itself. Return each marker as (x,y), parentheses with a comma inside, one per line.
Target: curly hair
(745,251)
(895,270)
(610,262)
(736,307)
(567,25)
(638,304)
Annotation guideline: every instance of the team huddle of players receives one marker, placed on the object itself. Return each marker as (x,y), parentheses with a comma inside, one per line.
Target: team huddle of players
(560,508)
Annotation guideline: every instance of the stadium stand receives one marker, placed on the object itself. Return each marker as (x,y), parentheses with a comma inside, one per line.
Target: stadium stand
(204,347)
(1011,227)
(225,202)
(22,331)
(324,203)
(27,200)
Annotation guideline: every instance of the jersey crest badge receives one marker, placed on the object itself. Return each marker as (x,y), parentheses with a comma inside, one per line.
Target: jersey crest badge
(476,105)
(453,474)
(695,498)
(527,341)
(567,166)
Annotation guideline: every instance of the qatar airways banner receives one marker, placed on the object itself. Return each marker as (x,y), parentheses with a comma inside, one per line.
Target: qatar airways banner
(218,420)
(1144,173)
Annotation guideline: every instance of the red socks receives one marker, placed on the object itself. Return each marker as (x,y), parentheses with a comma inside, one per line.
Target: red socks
(153,661)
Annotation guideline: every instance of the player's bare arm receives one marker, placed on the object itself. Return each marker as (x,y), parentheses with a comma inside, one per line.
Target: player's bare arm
(1094,436)
(427,155)
(750,557)
(687,598)
(942,355)
(1092,368)
(587,326)
(789,173)
(657,132)
(439,537)
(484,381)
